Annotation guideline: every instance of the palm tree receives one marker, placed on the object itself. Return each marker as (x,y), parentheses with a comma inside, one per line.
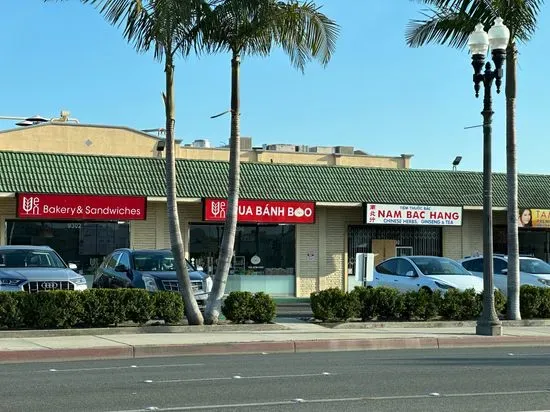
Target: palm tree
(169,27)
(450,22)
(254,27)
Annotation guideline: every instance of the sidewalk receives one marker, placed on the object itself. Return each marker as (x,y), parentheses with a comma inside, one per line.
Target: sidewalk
(287,335)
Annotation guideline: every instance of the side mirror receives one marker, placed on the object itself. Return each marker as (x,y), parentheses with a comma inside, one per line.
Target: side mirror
(504,271)
(410,274)
(121,268)
(72,266)
(200,268)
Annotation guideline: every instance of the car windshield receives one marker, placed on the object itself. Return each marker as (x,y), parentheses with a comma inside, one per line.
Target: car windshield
(534,266)
(27,258)
(439,266)
(153,261)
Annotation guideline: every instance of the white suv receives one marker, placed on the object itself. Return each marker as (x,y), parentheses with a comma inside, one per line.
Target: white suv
(533,271)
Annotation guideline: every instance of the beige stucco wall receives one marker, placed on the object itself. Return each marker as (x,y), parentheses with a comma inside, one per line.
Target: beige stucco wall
(7,211)
(321,250)
(79,139)
(466,240)
(153,232)
(122,141)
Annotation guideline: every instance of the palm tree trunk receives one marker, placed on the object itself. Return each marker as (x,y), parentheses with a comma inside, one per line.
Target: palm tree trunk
(213,306)
(192,312)
(512,182)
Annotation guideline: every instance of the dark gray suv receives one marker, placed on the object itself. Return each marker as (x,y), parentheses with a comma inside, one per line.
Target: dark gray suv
(148,269)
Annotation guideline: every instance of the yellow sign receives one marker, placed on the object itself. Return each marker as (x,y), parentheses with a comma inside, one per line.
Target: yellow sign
(534,218)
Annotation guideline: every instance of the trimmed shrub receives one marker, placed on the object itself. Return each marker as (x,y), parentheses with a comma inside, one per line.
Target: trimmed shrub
(365,302)
(55,309)
(138,305)
(10,310)
(167,306)
(530,301)
(421,305)
(264,309)
(238,307)
(457,305)
(500,302)
(334,305)
(102,307)
(388,304)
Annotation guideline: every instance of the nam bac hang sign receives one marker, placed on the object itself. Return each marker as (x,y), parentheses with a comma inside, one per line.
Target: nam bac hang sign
(81,207)
(262,211)
(413,215)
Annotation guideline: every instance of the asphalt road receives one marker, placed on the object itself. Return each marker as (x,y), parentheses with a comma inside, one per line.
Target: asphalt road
(502,379)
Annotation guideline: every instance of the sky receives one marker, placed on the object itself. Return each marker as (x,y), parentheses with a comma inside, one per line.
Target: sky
(376,94)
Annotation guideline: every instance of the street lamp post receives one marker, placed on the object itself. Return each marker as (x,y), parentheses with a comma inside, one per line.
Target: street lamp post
(479,42)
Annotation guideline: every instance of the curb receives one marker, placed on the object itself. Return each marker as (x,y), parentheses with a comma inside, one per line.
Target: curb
(265,347)
(127,330)
(432,324)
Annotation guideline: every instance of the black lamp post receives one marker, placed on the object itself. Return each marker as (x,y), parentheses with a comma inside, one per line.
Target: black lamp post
(479,42)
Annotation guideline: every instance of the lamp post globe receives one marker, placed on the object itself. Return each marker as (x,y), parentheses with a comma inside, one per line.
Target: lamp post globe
(499,35)
(479,43)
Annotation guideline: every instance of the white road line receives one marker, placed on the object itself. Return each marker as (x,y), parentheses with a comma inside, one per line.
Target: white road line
(303,375)
(123,367)
(335,400)
(229,405)
(190,380)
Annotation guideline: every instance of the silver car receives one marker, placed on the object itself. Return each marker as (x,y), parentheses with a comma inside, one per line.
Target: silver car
(36,269)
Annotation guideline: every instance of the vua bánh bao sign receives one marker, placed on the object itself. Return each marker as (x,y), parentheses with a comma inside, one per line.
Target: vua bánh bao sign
(261,211)
(81,207)
(383,214)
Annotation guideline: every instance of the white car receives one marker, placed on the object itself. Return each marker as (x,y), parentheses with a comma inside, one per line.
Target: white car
(533,271)
(424,272)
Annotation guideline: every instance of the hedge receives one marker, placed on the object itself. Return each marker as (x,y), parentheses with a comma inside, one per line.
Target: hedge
(89,308)
(241,307)
(382,303)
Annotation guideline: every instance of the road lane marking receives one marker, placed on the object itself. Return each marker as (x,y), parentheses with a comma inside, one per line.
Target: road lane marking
(303,375)
(336,400)
(106,368)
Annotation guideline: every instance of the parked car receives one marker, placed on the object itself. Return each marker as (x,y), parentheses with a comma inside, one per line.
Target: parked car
(148,269)
(424,272)
(533,271)
(36,269)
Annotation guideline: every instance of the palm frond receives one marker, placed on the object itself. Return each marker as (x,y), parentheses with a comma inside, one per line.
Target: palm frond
(450,21)
(254,27)
(166,26)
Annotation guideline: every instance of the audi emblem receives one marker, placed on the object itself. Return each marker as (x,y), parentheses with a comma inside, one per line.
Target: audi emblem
(49,285)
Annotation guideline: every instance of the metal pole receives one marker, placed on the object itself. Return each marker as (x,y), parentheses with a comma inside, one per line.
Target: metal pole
(488,324)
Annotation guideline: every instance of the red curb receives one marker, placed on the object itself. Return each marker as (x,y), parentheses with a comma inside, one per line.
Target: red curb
(19,356)
(213,348)
(365,344)
(490,341)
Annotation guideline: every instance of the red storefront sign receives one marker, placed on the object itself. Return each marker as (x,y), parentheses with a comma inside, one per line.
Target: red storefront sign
(262,211)
(81,207)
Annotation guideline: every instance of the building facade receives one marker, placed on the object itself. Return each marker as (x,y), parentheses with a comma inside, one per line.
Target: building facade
(301,219)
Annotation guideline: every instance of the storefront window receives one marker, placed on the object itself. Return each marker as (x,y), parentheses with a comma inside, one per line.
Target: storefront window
(259,249)
(82,243)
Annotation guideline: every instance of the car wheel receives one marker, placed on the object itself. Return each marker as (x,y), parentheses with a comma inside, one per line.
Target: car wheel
(426,289)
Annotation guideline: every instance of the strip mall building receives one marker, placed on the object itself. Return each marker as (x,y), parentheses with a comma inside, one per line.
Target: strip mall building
(86,190)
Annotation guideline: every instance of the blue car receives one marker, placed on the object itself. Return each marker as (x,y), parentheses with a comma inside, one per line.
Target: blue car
(148,269)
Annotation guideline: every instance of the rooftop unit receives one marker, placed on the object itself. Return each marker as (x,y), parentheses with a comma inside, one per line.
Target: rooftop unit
(281,147)
(322,149)
(202,143)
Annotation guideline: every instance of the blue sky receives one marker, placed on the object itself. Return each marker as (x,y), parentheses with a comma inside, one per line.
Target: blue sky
(376,94)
